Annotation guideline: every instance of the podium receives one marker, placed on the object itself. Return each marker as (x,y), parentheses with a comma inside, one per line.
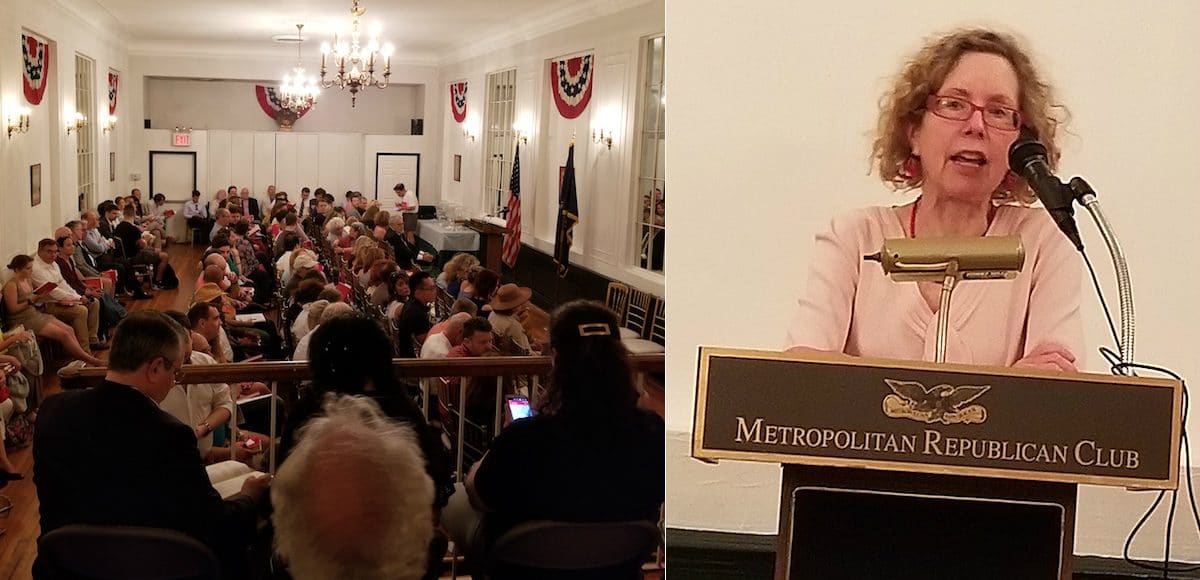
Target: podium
(491,242)
(904,469)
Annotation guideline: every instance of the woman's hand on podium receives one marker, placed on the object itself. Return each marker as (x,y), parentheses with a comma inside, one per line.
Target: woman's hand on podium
(1049,357)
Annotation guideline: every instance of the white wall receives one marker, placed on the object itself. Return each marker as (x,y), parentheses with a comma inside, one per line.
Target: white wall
(83,28)
(604,239)
(772,104)
(289,161)
(219,104)
(341,151)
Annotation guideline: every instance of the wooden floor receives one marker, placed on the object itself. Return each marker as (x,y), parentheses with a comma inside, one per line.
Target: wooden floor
(18,542)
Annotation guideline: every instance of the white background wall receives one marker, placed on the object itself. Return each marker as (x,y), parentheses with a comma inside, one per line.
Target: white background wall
(604,239)
(84,29)
(772,104)
(217,104)
(347,160)
(256,159)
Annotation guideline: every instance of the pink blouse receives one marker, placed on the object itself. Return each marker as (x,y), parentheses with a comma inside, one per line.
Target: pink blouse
(852,307)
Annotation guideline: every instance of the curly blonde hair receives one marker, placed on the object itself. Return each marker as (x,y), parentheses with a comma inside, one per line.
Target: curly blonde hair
(903,106)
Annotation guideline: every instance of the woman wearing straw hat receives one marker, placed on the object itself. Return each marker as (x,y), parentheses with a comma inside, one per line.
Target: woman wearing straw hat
(507,302)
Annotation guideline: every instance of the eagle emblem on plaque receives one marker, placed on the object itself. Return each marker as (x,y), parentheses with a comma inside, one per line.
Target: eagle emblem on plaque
(945,404)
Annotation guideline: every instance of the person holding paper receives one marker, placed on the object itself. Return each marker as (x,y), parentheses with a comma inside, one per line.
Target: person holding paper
(408,205)
(21,302)
(157,479)
(67,305)
(944,129)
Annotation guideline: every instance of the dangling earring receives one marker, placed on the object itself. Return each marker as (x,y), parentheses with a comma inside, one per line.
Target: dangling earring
(911,168)
(1011,182)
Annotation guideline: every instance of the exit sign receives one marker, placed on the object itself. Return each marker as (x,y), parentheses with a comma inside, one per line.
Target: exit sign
(181,139)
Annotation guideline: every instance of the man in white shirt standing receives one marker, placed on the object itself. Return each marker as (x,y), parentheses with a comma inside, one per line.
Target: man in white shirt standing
(80,312)
(408,205)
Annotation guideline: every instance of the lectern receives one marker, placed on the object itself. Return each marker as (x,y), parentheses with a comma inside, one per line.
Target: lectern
(903,469)
(491,242)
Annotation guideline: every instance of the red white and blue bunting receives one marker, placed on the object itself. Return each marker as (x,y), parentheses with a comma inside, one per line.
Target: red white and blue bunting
(113,78)
(458,101)
(36,54)
(268,99)
(571,83)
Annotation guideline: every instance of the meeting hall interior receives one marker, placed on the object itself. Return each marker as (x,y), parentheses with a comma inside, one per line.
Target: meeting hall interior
(387,275)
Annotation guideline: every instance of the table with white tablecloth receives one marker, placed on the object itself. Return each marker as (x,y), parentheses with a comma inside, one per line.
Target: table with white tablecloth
(445,236)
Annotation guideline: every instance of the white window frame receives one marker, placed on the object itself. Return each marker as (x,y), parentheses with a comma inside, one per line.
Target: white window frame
(85,138)
(499,110)
(649,162)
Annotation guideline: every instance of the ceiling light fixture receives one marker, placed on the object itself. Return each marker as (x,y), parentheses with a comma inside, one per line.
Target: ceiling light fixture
(298,92)
(356,63)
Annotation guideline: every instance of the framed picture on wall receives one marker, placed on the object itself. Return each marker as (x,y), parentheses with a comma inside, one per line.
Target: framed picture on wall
(35,185)
(458,168)
(112,165)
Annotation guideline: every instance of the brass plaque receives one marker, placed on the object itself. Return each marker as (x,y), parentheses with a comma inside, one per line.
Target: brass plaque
(934,418)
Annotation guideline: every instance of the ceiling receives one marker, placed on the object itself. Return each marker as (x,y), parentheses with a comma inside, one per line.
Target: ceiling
(423,31)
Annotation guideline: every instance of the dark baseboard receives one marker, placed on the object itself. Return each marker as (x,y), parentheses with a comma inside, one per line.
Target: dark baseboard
(704,555)
(536,270)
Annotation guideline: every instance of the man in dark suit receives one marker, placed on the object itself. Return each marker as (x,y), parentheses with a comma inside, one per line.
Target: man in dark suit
(152,476)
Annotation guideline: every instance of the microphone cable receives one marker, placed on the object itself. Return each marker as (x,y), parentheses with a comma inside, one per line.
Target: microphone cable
(1117,367)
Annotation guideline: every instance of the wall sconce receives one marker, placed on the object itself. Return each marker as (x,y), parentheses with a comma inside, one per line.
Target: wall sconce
(470,127)
(77,122)
(110,123)
(601,136)
(523,128)
(17,121)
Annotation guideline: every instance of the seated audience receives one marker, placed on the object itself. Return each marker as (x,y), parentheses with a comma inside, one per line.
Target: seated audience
(80,311)
(352,355)
(353,499)
(111,312)
(196,214)
(476,342)
(439,344)
(479,286)
(21,305)
(137,250)
(455,271)
(324,314)
(509,300)
(415,317)
(86,479)
(460,305)
(398,293)
(590,453)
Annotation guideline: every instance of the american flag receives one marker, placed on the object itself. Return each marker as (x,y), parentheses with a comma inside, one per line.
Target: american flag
(512,241)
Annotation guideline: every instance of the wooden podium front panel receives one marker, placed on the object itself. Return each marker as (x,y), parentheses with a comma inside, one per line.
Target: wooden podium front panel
(840,523)
(909,416)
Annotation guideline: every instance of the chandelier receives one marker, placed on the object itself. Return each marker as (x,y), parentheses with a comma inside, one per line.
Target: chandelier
(356,63)
(298,92)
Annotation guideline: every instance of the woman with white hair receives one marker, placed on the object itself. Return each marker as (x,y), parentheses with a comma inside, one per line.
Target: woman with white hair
(353,499)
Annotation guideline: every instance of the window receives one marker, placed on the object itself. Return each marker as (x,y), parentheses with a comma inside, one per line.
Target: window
(501,99)
(651,189)
(85,140)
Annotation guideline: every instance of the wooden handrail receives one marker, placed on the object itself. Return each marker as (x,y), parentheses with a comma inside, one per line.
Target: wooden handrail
(75,377)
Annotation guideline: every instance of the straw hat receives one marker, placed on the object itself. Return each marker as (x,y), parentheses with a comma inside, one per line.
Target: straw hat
(510,296)
(207,293)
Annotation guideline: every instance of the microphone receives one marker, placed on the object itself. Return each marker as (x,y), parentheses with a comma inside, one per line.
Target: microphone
(1028,158)
(930,259)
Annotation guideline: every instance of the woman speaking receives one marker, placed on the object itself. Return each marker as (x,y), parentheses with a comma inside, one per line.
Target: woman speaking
(944,129)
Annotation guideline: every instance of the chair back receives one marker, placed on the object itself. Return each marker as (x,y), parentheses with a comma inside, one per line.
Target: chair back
(617,299)
(79,552)
(575,547)
(638,312)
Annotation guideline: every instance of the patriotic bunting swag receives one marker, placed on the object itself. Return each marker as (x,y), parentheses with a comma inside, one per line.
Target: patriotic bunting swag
(113,77)
(268,99)
(571,84)
(37,65)
(458,101)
